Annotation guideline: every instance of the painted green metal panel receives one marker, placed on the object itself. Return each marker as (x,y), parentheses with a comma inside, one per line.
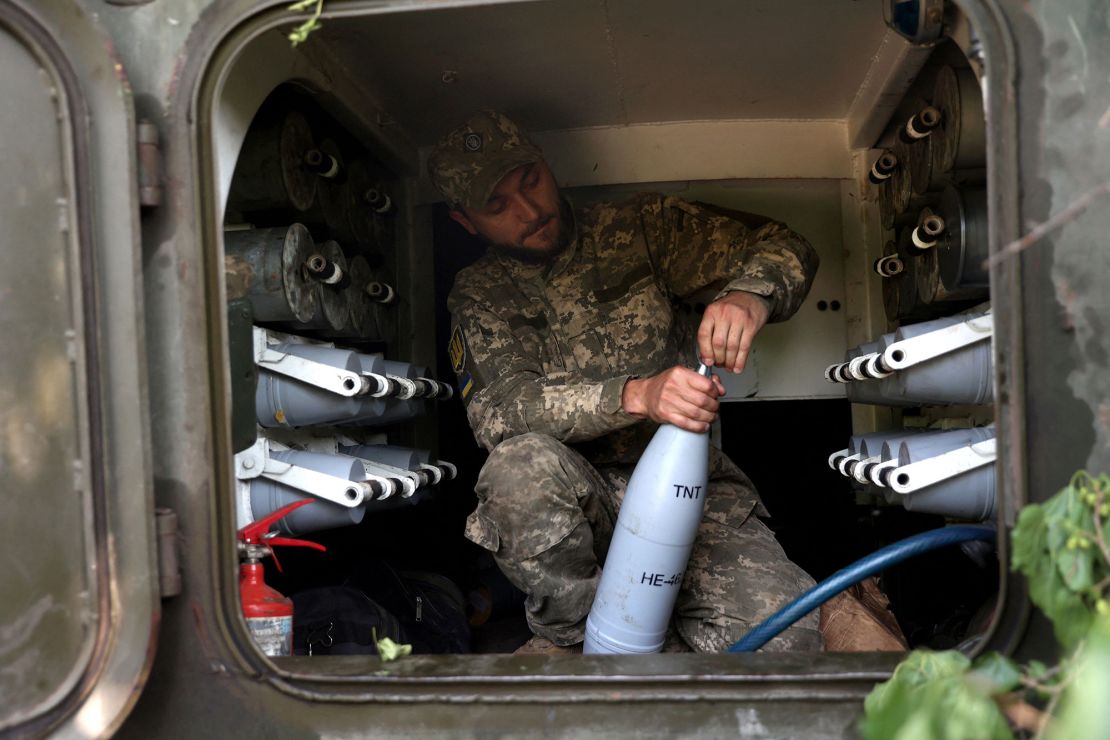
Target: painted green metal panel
(48,618)
(79,605)
(1047,82)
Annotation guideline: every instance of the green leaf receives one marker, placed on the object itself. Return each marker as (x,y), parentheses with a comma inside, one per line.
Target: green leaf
(1067,516)
(919,667)
(1036,669)
(1085,710)
(1059,575)
(930,697)
(994,674)
(300,34)
(388,649)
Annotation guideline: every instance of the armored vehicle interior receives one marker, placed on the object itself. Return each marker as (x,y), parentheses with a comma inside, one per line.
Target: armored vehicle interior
(337,253)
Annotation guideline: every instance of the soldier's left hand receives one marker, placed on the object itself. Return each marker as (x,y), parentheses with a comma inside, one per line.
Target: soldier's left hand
(728,327)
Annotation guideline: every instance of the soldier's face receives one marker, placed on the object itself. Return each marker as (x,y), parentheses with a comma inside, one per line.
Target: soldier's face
(522,215)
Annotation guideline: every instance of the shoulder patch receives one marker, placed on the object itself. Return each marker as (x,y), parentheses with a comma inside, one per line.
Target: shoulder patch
(456,350)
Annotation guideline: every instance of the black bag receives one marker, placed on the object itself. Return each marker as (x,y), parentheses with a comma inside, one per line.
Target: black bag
(430,607)
(437,620)
(339,620)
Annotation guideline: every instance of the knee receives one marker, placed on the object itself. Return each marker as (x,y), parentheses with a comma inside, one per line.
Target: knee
(533,478)
(529,493)
(524,448)
(522,464)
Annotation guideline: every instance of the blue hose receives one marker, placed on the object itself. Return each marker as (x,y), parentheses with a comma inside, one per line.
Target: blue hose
(853,574)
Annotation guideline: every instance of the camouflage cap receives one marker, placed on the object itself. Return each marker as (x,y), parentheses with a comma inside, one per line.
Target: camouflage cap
(466,164)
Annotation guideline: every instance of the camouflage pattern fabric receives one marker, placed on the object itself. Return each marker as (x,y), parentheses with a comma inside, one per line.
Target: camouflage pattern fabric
(542,353)
(549,348)
(468,162)
(547,515)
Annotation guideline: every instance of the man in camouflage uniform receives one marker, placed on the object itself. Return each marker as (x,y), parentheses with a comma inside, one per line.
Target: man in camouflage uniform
(569,351)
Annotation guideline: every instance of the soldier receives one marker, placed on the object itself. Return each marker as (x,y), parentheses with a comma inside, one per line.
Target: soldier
(569,351)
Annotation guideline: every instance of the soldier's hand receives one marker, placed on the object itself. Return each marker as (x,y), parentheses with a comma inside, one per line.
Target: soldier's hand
(728,327)
(676,396)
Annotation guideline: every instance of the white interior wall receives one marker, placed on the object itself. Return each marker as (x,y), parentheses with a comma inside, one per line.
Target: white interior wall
(264,64)
(792,355)
(690,150)
(793,169)
(789,358)
(269,61)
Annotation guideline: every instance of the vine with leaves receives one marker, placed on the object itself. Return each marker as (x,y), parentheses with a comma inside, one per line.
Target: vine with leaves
(1061,548)
(300,34)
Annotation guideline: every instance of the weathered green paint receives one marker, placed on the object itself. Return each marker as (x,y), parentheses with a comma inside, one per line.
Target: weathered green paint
(92,558)
(1047,64)
(243,373)
(44,435)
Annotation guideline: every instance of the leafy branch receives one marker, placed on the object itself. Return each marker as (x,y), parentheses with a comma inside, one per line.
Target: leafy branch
(1061,548)
(300,34)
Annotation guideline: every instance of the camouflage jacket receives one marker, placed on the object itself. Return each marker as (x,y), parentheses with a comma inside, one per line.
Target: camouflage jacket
(549,348)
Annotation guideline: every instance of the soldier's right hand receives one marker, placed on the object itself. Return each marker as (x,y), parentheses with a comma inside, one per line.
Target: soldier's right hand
(676,396)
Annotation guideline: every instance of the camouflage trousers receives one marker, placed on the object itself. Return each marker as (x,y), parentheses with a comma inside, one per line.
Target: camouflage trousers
(547,515)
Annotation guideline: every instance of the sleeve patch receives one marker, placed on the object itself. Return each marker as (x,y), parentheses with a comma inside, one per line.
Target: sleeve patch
(456,350)
(466,384)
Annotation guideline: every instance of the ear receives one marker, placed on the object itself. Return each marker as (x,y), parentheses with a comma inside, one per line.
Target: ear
(460,218)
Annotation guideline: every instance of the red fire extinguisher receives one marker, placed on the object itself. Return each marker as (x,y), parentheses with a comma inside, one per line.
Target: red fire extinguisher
(269,614)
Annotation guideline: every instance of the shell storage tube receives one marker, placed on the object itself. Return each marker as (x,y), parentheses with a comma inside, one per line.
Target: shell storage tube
(399,457)
(960,262)
(900,289)
(883,168)
(953,269)
(367,320)
(321,270)
(920,125)
(871,451)
(959,142)
(285,402)
(869,386)
(267,267)
(270,173)
(387,408)
(963,376)
(360,217)
(931,444)
(837,458)
(268,496)
(330,295)
(919,131)
(970,495)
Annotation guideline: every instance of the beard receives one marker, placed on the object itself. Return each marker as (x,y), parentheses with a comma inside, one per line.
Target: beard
(545,255)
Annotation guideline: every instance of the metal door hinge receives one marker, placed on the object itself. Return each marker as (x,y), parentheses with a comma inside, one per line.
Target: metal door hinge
(169,570)
(150,165)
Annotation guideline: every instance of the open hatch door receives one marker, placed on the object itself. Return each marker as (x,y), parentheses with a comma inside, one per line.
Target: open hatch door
(80,608)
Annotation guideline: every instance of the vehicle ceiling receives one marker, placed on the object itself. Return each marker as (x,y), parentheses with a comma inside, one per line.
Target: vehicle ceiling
(569,64)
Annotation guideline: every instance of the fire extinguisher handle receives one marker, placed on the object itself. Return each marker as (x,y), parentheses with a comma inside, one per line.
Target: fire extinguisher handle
(255,532)
(289,542)
(258,532)
(272,542)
